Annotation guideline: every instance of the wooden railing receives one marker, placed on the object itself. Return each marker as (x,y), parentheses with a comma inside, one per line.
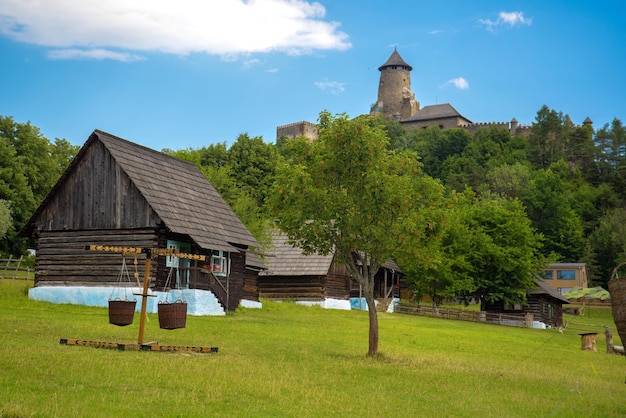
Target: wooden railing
(200,278)
(219,287)
(520,320)
(12,267)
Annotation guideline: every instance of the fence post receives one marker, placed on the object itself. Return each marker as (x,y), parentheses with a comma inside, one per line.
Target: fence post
(529,319)
(17,267)
(6,266)
(609,340)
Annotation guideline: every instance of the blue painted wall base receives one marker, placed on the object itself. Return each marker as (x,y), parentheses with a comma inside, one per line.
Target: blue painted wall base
(199,302)
(360,304)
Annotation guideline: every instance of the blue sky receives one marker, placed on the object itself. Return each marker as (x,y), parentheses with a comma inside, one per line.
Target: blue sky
(189,73)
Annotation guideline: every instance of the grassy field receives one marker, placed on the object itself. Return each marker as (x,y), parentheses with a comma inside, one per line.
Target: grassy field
(291,361)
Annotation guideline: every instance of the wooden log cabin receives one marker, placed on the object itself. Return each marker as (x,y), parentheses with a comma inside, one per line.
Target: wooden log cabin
(119,193)
(319,279)
(543,302)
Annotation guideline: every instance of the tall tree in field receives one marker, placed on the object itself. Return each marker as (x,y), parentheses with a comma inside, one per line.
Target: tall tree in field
(552,215)
(448,273)
(346,194)
(504,252)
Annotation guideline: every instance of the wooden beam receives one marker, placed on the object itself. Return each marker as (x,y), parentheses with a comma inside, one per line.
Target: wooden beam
(187,348)
(137,347)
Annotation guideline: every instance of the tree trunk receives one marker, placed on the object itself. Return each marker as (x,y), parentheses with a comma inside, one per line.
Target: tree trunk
(373,316)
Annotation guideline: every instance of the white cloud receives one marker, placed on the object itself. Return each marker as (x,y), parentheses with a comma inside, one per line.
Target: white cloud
(225,27)
(459,83)
(509,19)
(92,54)
(335,87)
(435,32)
(251,63)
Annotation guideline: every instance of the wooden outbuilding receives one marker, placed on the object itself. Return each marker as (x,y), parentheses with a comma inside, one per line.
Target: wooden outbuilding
(316,278)
(543,302)
(119,193)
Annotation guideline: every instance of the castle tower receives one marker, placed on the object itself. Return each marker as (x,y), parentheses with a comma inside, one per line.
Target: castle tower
(395,98)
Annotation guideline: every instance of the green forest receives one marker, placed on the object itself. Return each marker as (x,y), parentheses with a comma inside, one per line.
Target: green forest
(563,182)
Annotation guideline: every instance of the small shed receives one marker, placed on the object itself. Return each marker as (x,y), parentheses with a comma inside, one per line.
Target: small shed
(318,279)
(119,193)
(543,301)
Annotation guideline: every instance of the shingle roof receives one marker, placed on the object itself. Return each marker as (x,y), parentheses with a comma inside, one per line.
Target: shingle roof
(395,60)
(254,262)
(545,288)
(439,111)
(180,194)
(283,259)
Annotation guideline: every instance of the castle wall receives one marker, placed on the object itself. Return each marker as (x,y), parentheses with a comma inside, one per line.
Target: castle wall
(296,129)
(443,123)
(513,128)
(457,122)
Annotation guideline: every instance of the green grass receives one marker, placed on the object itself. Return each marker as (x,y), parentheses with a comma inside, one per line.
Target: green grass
(293,361)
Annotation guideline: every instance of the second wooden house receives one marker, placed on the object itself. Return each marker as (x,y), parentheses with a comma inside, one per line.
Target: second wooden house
(319,279)
(543,302)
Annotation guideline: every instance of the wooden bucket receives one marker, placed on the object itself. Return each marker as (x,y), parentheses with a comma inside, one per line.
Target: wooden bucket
(172,315)
(121,312)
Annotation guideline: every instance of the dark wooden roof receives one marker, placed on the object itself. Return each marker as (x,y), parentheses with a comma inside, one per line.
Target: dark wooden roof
(545,288)
(395,60)
(177,192)
(283,259)
(254,262)
(434,112)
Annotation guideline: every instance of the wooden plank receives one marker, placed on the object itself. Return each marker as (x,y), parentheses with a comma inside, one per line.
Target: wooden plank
(87,343)
(136,347)
(185,348)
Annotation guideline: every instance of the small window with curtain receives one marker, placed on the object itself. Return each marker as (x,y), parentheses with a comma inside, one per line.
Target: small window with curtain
(219,263)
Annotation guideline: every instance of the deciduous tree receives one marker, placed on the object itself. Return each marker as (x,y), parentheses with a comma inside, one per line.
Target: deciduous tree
(448,271)
(5,217)
(504,252)
(346,193)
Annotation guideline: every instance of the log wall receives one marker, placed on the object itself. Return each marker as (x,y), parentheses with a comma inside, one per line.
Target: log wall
(543,308)
(250,289)
(235,279)
(291,287)
(62,259)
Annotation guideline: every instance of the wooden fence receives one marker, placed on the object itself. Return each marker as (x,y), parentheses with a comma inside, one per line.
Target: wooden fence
(521,320)
(10,268)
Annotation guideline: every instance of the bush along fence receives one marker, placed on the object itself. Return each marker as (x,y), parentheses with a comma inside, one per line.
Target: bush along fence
(11,268)
(521,320)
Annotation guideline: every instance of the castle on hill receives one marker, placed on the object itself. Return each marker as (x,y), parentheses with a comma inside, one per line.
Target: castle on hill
(396,101)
